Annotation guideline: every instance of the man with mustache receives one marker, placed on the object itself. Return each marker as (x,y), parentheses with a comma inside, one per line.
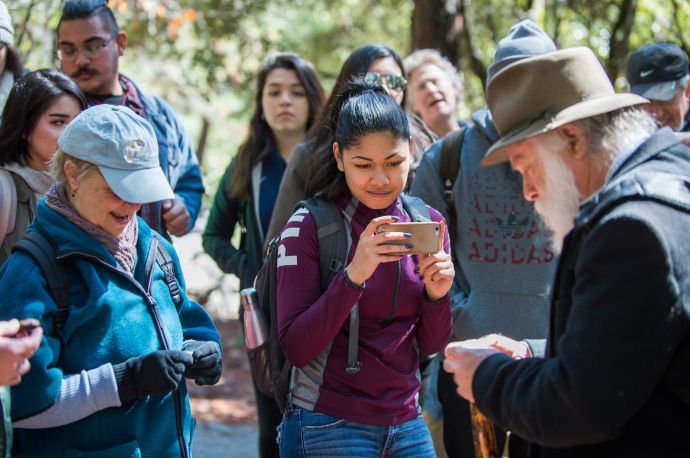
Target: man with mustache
(615,379)
(90,45)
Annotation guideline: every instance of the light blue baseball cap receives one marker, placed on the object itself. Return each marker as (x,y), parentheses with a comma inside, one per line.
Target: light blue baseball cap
(123,145)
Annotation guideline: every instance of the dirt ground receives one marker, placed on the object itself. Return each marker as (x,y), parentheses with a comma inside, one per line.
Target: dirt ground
(231,401)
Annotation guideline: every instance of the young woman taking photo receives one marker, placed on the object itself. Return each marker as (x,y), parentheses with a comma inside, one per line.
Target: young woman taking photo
(288,97)
(376,63)
(403,300)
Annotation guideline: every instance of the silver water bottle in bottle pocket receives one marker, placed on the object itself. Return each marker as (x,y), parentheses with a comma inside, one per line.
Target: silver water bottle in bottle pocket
(255,324)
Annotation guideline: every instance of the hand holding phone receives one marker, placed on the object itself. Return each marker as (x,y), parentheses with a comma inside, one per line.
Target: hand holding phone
(374,248)
(18,341)
(436,269)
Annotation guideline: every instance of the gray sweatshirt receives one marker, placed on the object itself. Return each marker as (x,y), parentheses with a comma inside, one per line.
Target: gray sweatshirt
(505,261)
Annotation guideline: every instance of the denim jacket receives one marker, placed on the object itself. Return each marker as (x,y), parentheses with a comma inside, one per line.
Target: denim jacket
(176,156)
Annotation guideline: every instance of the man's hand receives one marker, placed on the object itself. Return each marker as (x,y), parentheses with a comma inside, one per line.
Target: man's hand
(176,216)
(15,351)
(462,360)
(517,349)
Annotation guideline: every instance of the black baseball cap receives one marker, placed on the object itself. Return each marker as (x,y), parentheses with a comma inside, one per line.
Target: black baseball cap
(655,71)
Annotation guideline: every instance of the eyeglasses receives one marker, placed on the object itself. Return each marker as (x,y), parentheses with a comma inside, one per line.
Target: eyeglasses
(391,81)
(90,51)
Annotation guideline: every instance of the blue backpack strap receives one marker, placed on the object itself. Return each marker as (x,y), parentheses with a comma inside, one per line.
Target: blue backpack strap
(44,253)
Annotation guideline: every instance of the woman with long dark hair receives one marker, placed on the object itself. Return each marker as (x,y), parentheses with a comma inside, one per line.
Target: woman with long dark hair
(288,97)
(370,408)
(375,62)
(39,107)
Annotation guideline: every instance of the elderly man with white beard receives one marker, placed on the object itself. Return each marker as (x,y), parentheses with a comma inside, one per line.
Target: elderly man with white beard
(615,379)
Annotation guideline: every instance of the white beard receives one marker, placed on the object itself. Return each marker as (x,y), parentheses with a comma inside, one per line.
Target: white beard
(560,202)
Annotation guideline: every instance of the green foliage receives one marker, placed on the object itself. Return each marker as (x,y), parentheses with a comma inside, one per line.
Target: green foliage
(202,54)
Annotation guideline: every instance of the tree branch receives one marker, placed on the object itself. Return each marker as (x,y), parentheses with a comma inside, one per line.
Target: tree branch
(680,30)
(24,27)
(620,39)
(476,64)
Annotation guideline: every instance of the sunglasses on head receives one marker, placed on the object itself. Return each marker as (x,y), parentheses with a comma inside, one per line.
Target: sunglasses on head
(390,80)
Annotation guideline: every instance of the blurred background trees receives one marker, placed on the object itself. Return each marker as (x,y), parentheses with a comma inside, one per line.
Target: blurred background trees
(202,54)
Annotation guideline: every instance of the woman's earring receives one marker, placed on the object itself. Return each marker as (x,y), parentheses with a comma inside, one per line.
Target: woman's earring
(74,193)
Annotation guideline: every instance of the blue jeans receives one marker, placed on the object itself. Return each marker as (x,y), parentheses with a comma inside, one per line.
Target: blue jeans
(307,434)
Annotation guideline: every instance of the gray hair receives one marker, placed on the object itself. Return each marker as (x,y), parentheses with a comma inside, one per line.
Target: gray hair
(57,166)
(617,131)
(421,57)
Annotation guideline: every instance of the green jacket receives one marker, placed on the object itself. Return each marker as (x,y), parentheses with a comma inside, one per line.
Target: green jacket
(226,215)
(6,425)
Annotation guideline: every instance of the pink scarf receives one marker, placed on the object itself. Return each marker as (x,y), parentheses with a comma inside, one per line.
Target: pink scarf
(122,248)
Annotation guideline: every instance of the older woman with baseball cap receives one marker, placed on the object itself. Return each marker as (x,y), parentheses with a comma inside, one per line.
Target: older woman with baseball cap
(107,380)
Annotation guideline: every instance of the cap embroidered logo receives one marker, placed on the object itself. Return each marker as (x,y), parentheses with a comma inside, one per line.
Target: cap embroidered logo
(136,151)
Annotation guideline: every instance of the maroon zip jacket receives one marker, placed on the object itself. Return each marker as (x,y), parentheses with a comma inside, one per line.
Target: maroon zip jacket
(313,327)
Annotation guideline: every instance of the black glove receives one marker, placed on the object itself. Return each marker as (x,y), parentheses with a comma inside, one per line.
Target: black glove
(156,373)
(208,361)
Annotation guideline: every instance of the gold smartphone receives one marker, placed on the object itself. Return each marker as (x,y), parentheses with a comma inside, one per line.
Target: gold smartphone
(425,235)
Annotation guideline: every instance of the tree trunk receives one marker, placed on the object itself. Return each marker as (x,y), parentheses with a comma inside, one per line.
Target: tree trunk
(434,26)
(24,26)
(620,39)
(203,138)
(476,64)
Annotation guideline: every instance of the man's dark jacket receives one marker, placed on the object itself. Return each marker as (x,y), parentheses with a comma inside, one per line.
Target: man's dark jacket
(618,355)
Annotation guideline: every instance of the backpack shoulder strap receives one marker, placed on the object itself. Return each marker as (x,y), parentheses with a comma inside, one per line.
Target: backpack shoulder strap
(8,203)
(449,169)
(334,245)
(43,252)
(450,156)
(334,242)
(415,207)
(165,262)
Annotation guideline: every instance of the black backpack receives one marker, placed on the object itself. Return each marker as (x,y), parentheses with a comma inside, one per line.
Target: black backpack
(449,170)
(270,368)
(44,253)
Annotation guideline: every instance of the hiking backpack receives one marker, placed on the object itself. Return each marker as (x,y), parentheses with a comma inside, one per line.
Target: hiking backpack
(270,368)
(43,252)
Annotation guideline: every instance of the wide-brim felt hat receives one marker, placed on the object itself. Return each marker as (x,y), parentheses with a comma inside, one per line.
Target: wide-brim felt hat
(539,94)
